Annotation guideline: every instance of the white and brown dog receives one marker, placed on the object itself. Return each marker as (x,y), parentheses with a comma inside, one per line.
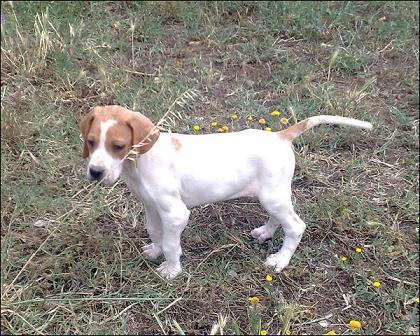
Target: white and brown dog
(175,172)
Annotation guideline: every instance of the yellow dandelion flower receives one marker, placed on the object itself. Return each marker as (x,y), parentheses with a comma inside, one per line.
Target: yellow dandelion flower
(284,121)
(261,121)
(343,258)
(268,277)
(196,128)
(268,129)
(263,332)
(358,250)
(220,130)
(416,300)
(354,324)
(214,123)
(225,128)
(234,116)
(376,284)
(254,300)
(275,113)
(331,332)
(250,118)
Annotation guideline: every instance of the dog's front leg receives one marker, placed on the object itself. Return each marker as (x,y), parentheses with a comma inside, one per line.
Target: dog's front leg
(154,229)
(174,219)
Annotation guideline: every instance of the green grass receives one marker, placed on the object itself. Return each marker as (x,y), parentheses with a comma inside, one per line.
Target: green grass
(83,273)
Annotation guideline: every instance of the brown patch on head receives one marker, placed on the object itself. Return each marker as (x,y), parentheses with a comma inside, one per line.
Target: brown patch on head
(85,126)
(118,140)
(130,129)
(294,131)
(176,144)
(142,131)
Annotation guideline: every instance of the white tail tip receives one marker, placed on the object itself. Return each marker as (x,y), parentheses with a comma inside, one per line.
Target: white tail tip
(326,119)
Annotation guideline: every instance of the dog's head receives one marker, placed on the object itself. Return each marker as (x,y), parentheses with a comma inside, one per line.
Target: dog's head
(109,132)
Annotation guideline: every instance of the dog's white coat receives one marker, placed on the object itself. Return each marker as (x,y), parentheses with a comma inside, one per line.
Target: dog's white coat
(209,168)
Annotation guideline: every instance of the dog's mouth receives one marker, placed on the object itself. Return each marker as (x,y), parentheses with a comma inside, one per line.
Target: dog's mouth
(104,179)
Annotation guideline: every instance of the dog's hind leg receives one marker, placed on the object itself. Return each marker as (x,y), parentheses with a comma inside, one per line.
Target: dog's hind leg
(266,231)
(281,212)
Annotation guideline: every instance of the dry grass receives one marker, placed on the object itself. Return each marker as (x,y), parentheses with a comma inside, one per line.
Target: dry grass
(79,270)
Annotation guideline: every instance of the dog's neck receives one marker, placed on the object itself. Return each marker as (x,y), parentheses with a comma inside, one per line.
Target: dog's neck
(129,168)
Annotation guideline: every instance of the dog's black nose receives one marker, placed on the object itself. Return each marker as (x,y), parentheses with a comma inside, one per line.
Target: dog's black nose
(96,173)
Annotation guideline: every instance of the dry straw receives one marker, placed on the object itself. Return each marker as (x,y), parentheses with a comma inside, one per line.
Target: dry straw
(167,121)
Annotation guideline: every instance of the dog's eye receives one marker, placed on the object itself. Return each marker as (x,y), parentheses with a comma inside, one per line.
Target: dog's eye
(117,148)
(91,143)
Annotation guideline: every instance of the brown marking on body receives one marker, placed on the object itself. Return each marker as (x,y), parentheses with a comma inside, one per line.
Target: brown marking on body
(293,131)
(176,144)
(130,129)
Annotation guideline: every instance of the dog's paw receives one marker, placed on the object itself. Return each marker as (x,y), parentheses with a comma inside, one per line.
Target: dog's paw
(169,271)
(276,261)
(262,234)
(152,251)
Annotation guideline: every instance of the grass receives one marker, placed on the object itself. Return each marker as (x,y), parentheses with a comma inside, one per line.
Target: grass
(80,270)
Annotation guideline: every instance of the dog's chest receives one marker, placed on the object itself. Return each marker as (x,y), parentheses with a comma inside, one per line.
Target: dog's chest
(136,185)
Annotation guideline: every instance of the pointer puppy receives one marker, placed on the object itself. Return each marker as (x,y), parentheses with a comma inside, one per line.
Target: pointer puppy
(175,172)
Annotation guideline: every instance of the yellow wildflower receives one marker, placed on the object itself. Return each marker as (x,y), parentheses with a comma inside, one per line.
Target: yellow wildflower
(331,332)
(225,128)
(261,121)
(284,121)
(234,116)
(268,129)
(263,332)
(196,128)
(214,123)
(376,284)
(343,258)
(417,299)
(358,250)
(268,277)
(275,113)
(287,332)
(250,118)
(254,300)
(220,130)
(354,324)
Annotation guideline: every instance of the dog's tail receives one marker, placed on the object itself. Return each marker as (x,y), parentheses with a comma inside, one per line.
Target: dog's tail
(297,129)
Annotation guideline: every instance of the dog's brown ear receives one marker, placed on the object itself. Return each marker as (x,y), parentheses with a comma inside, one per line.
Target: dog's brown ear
(142,130)
(85,124)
